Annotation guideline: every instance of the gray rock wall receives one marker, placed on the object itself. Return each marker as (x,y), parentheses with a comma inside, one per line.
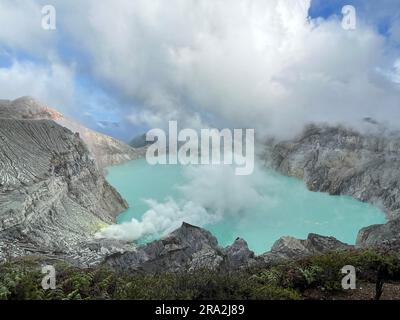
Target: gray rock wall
(52,196)
(343,162)
(340,161)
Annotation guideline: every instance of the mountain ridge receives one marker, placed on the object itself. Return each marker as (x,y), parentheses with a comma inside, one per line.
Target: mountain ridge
(106,150)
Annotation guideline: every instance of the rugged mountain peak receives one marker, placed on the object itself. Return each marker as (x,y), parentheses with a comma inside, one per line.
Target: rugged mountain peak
(27,108)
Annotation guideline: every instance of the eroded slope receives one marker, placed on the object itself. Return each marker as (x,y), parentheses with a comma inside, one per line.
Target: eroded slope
(52,195)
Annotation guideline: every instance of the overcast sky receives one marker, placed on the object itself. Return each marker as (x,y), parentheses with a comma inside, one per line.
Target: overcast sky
(122,66)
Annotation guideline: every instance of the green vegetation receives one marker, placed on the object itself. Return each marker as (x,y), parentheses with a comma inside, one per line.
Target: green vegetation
(21,279)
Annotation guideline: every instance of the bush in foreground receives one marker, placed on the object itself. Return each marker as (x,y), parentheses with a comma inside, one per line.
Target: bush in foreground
(21,279)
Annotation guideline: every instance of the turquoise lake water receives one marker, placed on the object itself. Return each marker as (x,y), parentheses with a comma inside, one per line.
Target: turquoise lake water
(259,208)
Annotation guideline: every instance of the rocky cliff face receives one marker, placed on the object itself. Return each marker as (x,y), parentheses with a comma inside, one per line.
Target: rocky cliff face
(341,161)
(381,235)
(107,151)
(52,196)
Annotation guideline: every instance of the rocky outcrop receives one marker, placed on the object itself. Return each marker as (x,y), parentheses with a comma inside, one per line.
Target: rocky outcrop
(239,255)
(191,248)
(341,161)
(292,248)
(52,195)
(188,248)
(107,151)
(380,235)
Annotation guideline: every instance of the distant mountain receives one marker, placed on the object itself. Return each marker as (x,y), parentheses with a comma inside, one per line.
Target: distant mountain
(107,151)
(140,141)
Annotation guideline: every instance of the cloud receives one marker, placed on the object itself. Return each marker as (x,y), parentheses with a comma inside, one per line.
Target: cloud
(218,188)
(53,84)
(258,63)
(21,27)
(395,31)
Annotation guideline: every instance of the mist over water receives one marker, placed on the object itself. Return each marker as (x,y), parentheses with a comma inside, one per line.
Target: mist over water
(260,208)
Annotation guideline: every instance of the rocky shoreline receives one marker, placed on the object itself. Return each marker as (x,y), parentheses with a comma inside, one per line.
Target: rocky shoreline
(190,248)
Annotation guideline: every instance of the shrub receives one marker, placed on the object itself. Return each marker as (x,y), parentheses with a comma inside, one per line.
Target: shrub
(21,279)
(275,293)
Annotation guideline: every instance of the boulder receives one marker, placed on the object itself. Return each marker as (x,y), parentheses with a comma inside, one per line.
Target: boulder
(292,248)
(379,235)
(188,248)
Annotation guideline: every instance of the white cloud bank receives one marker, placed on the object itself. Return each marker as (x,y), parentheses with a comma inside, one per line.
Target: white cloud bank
(256,63)
(20,27)
(53,84)
(251,63)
